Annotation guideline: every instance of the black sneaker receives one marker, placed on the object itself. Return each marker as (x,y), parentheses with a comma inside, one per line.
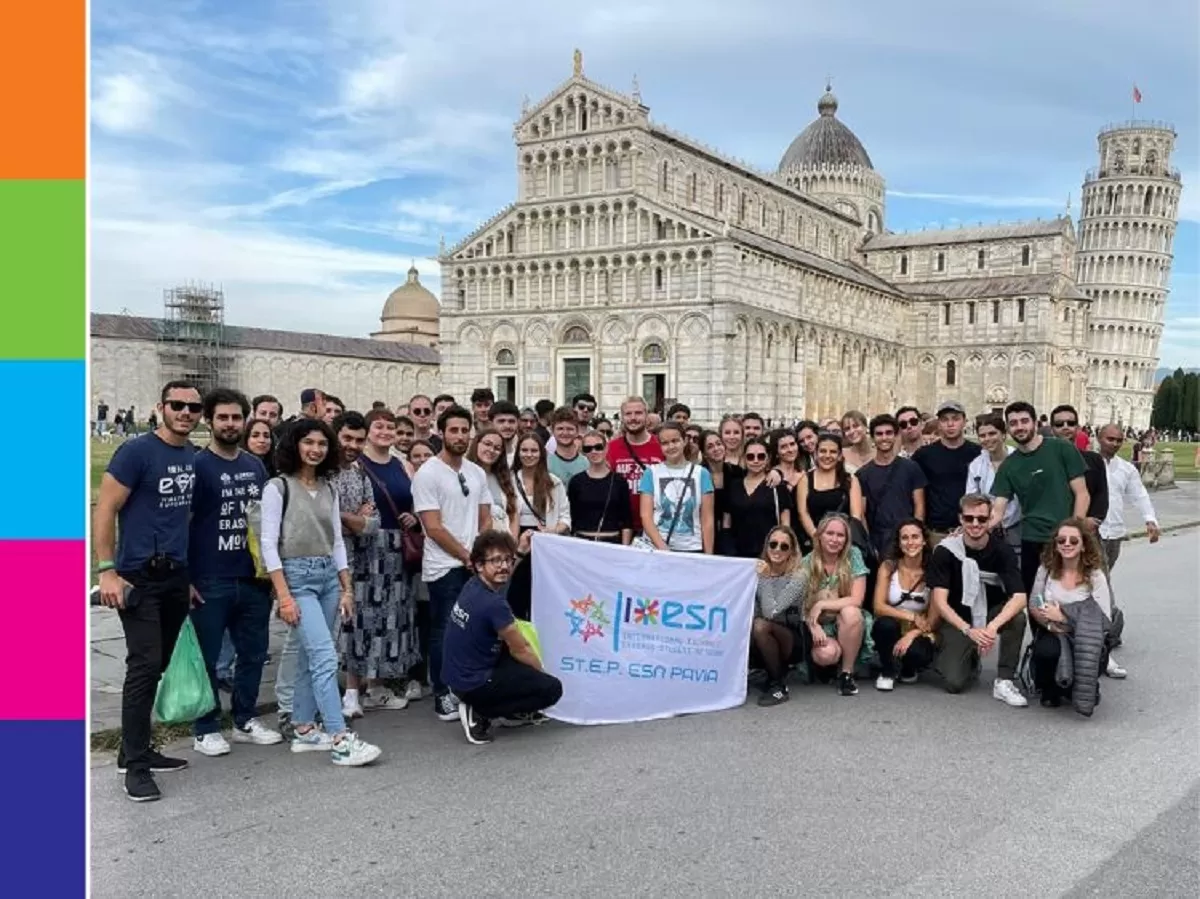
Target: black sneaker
(523,720)
(476,727)
(774,694)
(446,707)
(285,726)
(846,684)
(140,787)
(159,763)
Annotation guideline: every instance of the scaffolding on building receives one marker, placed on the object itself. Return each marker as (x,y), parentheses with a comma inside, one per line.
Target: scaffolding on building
(191,341)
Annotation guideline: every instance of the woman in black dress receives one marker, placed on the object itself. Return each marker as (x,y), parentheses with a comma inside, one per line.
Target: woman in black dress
(723,474)
(828,488)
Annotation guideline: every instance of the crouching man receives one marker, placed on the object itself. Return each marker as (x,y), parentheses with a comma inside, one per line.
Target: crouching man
(487,662)
(979,595)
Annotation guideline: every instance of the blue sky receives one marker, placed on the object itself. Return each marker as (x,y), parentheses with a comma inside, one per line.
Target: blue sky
(301,153)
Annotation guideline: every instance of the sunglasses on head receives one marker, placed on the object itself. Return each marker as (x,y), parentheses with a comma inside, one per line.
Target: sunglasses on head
(974,519)
(593,447)
(780,545)
(1067,541)
(180,405)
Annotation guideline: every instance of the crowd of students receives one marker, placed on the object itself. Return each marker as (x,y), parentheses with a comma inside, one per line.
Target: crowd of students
(395,546)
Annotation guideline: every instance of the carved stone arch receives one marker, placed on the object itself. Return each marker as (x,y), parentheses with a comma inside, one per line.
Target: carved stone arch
(537,332)
(575,329)
(693,327)
(1024,360)
(927,362)
(997,395)
(470,333)
(652,350)
(652,325)
(505,331)
(998,360)
(974,360)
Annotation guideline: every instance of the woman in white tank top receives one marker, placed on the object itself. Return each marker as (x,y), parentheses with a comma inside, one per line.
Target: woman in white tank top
(905,623)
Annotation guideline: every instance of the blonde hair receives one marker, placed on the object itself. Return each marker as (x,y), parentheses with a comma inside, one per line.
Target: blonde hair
(815,567)
(793,560)
(631,400)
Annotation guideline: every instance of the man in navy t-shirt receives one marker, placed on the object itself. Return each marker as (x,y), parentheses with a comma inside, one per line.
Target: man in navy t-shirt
(486,660)
(226,594)
(146,494)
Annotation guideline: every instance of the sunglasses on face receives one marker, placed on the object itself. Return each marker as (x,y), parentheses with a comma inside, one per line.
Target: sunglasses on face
(421,411)
(1065,423)
(462,484)
(755,457)
(498,561)
(780,545)
(1067,541)
(974,519)
(180,405)
(585,407)
(593,447)
(910,422)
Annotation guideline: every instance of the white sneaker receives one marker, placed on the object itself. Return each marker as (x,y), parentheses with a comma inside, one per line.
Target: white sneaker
(211,745)
(257,733)
(414,691)
(1006,691)
(885,683)
(351,707)
(314,740)
(383,698)
(1114,669)
(352,752)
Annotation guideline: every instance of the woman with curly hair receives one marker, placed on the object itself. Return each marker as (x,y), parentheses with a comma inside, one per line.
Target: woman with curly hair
(905,626)
(305,557)
(1072,571)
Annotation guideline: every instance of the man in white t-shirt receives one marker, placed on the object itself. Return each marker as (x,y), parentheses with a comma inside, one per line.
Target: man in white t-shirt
(451,496)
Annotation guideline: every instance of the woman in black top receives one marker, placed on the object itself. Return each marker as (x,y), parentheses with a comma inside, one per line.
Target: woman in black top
(752,508)
(601,508)
(723,474)
(828,488)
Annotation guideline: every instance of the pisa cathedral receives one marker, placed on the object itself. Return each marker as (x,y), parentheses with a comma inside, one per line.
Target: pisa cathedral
(638,260)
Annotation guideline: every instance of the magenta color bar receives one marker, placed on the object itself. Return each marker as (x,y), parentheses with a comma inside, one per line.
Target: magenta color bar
(43,639)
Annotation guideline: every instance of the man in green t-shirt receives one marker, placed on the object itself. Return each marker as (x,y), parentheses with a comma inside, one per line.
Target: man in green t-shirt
(1045,474)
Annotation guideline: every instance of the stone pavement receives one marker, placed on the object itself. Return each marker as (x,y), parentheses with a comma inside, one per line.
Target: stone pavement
(1175,507)
(911,793)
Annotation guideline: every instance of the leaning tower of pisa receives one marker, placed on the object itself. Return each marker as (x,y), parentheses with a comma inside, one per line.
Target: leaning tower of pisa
(1123,262)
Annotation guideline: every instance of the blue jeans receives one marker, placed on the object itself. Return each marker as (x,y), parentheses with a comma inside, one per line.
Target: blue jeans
(225,659)
(238,609)
(442,595)
(313,582)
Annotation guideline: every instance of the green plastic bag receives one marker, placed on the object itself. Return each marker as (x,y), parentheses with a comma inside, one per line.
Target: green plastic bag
(185,693)
(529,632)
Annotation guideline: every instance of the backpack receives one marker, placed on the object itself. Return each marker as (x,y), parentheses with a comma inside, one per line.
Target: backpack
(254,526)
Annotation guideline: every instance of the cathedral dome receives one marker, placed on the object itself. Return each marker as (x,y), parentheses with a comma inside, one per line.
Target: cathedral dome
(410,300)
(826,142)
(410,313)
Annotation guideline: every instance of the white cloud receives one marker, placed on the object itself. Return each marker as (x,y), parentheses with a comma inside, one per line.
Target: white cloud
(123,104)
(992,201)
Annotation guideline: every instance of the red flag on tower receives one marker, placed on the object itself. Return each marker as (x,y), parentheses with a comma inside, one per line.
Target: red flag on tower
(1137,94)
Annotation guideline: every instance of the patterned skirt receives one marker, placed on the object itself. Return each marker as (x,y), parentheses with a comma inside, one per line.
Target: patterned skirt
(380,641)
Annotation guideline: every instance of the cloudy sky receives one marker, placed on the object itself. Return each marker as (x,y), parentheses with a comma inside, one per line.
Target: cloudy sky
(302,152)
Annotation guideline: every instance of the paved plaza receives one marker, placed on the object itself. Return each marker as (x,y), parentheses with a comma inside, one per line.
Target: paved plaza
(913,793)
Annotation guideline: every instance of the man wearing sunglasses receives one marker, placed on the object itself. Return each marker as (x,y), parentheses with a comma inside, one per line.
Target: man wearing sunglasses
(146,498)
(909,425)
(421,411)
(1065,422)
(976,587)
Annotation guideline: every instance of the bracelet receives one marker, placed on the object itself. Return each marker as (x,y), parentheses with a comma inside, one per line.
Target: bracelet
(106,566)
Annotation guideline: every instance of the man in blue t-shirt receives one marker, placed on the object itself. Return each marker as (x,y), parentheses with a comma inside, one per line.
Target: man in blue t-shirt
(486,660)
(225,593)
(146,495)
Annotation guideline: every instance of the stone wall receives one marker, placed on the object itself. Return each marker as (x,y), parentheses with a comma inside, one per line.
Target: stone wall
(125,372)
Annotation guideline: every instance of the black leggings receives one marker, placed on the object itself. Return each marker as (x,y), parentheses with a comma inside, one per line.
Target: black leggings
(920,655)
(774,642)
(1031,558)
(513,689)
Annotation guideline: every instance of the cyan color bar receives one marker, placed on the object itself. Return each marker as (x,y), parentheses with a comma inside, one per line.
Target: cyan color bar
(42,452)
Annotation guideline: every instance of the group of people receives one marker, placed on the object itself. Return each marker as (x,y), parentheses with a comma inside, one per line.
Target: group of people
(395,546)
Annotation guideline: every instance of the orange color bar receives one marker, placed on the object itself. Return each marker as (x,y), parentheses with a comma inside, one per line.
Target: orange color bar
(43,89)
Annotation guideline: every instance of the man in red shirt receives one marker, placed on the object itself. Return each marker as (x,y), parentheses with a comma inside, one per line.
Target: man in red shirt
(634,450)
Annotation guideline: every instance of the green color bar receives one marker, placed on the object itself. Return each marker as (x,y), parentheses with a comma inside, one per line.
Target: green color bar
(43,254)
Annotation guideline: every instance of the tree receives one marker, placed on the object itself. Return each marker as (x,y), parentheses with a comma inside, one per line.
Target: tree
(1166,404)
(1189,403)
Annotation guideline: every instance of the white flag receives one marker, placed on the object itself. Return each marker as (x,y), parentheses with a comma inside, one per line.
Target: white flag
(634,635)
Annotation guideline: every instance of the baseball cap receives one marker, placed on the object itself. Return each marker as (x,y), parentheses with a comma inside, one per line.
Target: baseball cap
(950,406)
(309,395)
